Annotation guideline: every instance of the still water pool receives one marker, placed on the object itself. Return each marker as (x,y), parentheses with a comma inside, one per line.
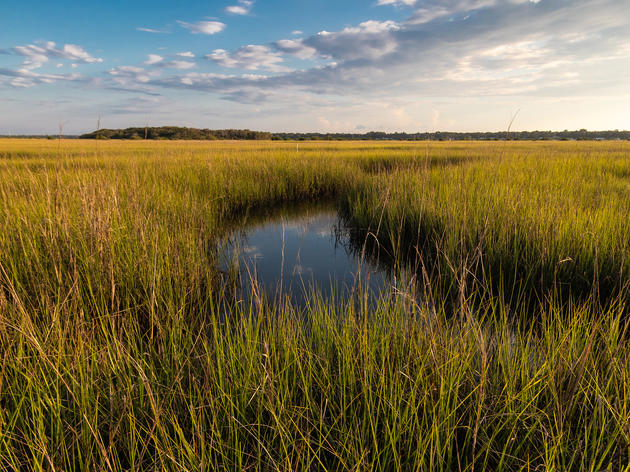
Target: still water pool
(293,252)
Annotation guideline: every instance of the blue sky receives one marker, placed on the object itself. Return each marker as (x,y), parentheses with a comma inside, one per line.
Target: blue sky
(329,66)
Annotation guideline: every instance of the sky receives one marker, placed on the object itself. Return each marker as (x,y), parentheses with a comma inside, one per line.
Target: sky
(306,66)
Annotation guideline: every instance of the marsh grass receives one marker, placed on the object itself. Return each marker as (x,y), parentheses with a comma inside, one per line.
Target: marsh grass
(528,224)
(117,351)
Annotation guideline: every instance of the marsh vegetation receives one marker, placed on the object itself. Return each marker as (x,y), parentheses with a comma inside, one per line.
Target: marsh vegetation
(124,345)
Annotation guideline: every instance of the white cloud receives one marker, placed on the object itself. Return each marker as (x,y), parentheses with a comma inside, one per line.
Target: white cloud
(295,47)
(251,57)
(152,30)
(156,60)
(372,27)
(242,8)
(436,9)
(153,59)
(74,53)
(481,51)
(368,40)
(181,65)
(237,10)
(478,48)
(185,54)
(203,27)
(36,55)
(297,32)
(26,78)
(397,2)
(131,78)
(446,56)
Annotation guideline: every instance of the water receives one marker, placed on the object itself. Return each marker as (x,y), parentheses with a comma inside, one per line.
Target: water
(298,250)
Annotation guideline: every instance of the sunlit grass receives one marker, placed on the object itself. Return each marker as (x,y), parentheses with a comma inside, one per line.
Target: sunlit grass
(117,350)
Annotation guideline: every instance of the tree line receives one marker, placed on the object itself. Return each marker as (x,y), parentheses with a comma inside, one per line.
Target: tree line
(582,134)
(175,132)
(183,133)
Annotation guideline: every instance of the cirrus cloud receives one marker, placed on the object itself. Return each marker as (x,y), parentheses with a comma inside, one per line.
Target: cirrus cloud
(151,30)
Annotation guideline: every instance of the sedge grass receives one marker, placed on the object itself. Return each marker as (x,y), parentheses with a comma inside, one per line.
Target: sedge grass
(116,351)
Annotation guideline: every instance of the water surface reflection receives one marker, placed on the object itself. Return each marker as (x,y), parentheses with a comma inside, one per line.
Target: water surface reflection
(297,250)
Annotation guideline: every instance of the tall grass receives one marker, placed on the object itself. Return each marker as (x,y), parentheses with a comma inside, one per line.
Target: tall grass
(537,220)
(117,352)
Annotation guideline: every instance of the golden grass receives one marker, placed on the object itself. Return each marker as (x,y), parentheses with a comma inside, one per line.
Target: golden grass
(120,350)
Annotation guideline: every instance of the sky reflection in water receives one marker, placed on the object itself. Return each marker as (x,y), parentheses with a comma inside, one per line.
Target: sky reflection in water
(292,254)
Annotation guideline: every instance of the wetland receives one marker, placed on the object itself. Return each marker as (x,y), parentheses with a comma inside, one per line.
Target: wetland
(501,345)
